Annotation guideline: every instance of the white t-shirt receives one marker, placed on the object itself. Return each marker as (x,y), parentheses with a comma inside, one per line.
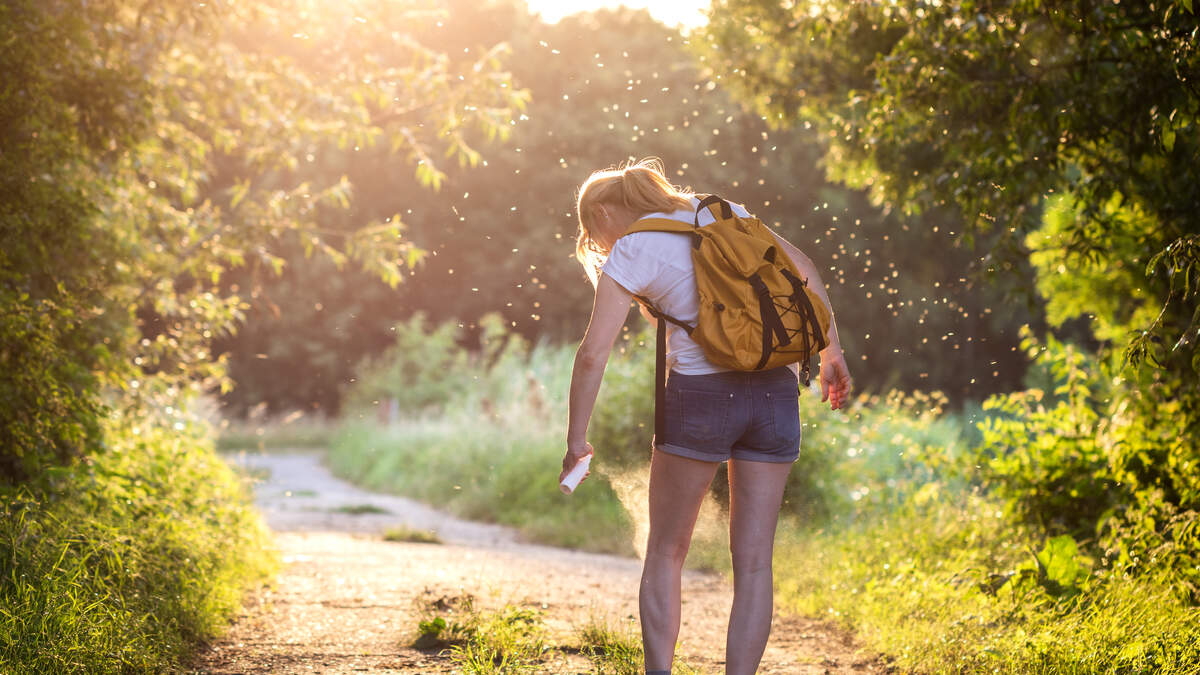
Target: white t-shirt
(658,266)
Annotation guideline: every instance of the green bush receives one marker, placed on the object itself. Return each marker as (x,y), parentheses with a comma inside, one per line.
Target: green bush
(1044,449)
(424,368)
(1076,455)
(622,423)
(953,586)
(123,562)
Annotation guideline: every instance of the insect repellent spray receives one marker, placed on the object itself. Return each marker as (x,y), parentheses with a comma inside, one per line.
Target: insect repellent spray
(571,480)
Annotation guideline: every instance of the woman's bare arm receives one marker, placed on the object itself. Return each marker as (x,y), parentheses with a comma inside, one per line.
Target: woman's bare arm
(835,375)
(608,315)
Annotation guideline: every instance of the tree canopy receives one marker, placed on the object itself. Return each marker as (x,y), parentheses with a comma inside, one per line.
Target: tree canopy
(1066,131)
(993,108)
(149,148)
(606,87)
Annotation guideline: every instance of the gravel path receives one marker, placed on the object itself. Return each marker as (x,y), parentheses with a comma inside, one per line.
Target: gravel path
(346,601)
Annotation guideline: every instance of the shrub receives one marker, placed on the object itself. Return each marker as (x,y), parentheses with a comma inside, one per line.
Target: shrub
(124,562)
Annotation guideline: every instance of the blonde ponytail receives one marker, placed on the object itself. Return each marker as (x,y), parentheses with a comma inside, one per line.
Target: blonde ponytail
(640,187)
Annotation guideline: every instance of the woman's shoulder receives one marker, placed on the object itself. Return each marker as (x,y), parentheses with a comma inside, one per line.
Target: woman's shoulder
(648,240)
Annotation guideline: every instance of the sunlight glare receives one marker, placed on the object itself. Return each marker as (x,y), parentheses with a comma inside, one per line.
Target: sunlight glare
(687,14)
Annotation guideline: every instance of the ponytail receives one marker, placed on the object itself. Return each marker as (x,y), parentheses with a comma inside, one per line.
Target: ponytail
(640,187)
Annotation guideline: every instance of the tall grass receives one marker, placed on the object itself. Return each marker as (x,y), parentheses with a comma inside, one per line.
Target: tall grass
(123,563)
(491,451)
(953,586)
(482,471)
(885,530)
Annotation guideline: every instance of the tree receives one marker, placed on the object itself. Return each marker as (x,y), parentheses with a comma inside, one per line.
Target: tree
(149,148)
(989,107)
(605,87)
(1066,131)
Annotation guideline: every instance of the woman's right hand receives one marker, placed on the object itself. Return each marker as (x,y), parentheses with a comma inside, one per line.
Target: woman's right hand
(575,454)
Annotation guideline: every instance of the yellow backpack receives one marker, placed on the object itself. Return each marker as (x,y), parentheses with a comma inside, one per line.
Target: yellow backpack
(756,313)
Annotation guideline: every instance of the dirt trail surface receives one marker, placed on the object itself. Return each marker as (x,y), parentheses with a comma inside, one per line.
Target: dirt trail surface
(347,601)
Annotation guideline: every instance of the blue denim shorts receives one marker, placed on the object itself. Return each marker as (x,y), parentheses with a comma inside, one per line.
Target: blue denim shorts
(751,416)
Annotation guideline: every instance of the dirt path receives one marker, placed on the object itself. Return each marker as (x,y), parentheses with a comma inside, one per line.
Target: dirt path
(347,601)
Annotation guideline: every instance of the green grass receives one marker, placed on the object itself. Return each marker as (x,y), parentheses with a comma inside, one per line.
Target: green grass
(287,433)
(485,471)
(360,509)
(926,587)
(883,529)
(407,534)
(515,640)
(512,640)
(612,651)
(125,562)
(618,650)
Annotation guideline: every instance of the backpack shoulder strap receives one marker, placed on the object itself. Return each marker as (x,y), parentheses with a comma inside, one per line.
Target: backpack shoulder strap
(659,225)
(711,202)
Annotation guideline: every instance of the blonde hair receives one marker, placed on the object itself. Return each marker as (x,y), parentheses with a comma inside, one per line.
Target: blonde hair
(640,187)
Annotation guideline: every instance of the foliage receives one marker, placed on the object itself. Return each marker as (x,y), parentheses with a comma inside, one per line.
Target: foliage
(512,640)
(147,151)
(612,651)
(1046,449)
(130,559)
(485,472)
(423,368)
(983,106)
(955,586)
(509,641)
(407,534)
(491,449)
(604,87)
(1075,455)
(622,424)
(1066,132)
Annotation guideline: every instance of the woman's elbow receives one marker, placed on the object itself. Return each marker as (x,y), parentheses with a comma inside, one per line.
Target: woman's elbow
(590,359)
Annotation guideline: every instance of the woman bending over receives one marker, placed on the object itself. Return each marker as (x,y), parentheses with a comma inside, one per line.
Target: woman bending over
(713,415)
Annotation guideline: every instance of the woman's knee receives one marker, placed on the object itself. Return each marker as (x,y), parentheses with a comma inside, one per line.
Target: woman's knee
(748,562)
(673,549)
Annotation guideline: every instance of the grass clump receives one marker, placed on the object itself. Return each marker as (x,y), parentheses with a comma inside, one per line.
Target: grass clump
(408,534)
(512,640)
(125,561)
(360,509)
(618,650)
(612,651)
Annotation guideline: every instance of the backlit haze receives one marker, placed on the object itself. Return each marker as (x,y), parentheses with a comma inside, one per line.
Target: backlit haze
(687,14)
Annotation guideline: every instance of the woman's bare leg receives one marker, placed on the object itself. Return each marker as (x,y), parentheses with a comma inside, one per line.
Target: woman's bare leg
(677,486)
(755,494)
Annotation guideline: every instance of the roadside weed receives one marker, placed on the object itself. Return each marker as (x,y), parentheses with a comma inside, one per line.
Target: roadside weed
(403,533)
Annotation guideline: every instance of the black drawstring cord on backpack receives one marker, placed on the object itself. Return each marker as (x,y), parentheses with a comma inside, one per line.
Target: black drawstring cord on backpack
(803,305)
(772,324)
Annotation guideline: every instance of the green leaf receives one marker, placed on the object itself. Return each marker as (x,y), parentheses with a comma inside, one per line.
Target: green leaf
(238,192)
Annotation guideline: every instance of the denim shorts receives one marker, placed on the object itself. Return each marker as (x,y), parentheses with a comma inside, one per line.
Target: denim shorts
(751,416)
